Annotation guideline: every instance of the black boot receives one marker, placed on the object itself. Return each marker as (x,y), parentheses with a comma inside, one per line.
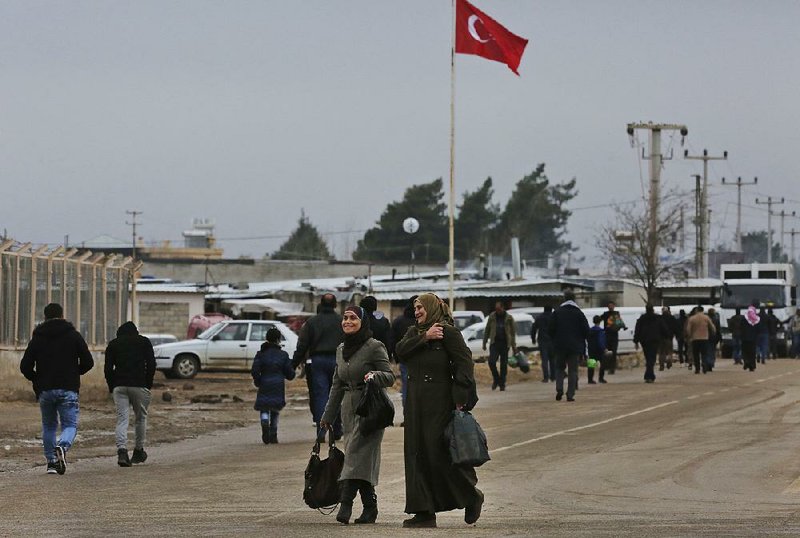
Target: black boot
(370,502)
(265,437)
(421,520)
(122,458)
(349,489)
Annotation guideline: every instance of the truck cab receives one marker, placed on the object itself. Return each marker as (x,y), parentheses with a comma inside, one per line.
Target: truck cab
(771,285)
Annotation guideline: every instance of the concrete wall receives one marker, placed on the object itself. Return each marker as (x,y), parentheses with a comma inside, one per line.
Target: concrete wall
(167,312)
(248,270)
(170,318)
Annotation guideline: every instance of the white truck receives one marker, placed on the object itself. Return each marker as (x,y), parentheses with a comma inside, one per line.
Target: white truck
(771,285)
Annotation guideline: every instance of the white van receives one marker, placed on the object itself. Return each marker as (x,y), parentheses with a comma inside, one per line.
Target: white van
(629,315)
(523,324)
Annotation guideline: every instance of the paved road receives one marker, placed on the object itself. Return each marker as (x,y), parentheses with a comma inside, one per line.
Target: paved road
(691,455)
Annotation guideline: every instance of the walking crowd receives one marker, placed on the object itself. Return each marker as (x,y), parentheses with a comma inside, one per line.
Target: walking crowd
(341,355)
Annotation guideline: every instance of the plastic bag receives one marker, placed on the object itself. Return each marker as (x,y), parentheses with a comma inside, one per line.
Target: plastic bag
(522,362)
(375,408)
(466,440)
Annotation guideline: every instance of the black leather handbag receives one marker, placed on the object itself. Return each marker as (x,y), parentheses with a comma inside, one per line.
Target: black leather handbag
(375,408)
(321,488)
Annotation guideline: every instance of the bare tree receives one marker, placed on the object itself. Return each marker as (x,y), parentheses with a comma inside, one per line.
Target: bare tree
(628,243)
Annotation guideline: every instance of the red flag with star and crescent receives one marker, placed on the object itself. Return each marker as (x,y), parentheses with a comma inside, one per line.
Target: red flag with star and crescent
(479,34)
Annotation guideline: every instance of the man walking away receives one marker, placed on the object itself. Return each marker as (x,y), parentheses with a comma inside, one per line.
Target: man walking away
(762,336)
(774,325)
(378,324)
(794,326)
(501,334)
(714,340)
(400,326)
(650,331)
(665,347)
(612,322)
(319,338)
(129,370)
(540,327)
(735,326)
(749,335)
(54,361)
(699,328)
(683,354)
(596,348)
(569,331)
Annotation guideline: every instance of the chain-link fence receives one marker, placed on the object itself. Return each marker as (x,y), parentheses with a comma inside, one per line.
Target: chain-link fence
(92,288)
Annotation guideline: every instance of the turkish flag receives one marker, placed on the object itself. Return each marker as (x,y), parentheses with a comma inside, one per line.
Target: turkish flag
(479,34)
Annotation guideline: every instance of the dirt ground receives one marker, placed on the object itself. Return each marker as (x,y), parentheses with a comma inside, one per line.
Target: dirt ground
(212,401)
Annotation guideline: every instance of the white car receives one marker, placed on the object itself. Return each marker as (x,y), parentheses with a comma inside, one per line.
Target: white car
(158,339)
(465,318)
(228,345)
(473,335)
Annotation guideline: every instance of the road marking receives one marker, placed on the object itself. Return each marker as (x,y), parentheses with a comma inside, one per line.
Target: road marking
(693,397)
(709,393)
(725,389)
(759,380)
(580,428)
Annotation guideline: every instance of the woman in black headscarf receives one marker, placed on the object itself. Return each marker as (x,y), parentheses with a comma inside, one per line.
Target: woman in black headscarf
(359,359)
(440,380)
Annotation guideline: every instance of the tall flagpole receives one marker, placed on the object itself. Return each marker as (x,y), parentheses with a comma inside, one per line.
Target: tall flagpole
(452,155)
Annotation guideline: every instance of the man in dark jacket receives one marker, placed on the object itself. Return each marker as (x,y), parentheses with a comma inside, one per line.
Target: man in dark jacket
(541,327)
(400,326)
(378,324)
(650,330)
(129,370)
(613,323)
(55,359)
(568,330)
(319,338)
(774,325)
(735,326)
(500,333)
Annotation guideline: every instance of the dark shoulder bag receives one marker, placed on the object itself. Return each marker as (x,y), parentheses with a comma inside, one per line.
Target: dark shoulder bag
(321,488)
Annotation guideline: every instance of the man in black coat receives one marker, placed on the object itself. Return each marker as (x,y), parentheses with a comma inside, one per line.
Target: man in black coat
(55,359)
(568,330)
(650,330)
(129,370)
(316,345)
(378,324)
(541,327)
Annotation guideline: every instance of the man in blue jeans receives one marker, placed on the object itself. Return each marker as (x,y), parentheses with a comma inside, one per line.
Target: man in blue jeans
(318,340)
(55,359)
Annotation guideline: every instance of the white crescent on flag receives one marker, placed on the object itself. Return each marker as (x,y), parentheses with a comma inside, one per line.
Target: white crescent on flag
(473,31)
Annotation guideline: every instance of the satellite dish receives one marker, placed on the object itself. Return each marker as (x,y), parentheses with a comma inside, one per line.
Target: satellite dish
(410,225)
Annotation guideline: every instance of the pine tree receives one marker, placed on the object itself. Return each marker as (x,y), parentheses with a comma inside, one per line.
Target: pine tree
(305,243)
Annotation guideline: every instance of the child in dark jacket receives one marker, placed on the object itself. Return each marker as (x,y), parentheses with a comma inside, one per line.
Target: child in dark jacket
(271,366)
(596,344)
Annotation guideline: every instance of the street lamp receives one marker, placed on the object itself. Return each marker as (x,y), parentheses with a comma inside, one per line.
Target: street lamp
(411,226)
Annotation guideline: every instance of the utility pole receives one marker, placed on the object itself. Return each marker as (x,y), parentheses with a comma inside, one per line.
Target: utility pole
(738,186)
(791,251)
(656,160)
(682,238)
(769,202)
(784,214)
(133,225)
(705,225)
(698,244)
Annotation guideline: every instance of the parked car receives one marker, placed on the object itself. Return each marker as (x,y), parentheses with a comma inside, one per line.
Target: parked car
(465,318)
(158,339)
(201,322)
(228,345)
(473,335)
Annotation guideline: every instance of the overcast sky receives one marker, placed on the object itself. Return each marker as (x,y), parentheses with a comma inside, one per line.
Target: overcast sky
(247,112)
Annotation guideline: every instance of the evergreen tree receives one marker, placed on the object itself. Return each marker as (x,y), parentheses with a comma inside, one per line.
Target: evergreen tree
(305,243)
(535,214)
(754,248)
(388,242)
(477,217)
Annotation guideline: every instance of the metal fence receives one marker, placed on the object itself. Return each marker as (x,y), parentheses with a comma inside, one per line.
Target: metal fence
(92,288)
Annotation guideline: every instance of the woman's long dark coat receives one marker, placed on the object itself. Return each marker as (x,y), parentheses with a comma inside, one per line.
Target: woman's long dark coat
(433,484)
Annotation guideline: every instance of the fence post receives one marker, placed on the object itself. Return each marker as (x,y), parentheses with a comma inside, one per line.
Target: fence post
(34,283)
(134,304)
(94,262)
(104,277)
(67,255)
(56,251)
